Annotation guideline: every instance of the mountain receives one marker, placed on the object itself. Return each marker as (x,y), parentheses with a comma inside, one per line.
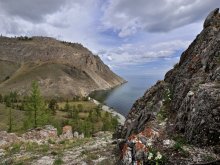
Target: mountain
(186,104)
(63,69)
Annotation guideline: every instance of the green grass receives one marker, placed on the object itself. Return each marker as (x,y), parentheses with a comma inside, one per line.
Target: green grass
(18,115)
(180,142)
(17,118)
(44,149)
(58,161)
(87,105)
(88,121)
(208,158)
(7,68)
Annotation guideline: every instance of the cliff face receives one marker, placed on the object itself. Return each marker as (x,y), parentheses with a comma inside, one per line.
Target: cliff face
(186,102)
(62,69)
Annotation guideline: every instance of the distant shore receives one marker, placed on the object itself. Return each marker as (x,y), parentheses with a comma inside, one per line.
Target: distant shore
(120,117)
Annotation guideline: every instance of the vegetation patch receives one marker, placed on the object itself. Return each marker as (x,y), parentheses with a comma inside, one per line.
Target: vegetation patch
(20,114)
(58,161)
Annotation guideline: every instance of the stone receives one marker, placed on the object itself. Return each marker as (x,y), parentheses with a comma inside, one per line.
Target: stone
(209,18)
(8,138)
(76,134)
(193,108)
(2,152)
(81,136)
(168,143)
(46,160)
(39,134)
(67,132)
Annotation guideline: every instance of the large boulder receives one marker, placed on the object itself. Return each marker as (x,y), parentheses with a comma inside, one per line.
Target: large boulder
(187,100)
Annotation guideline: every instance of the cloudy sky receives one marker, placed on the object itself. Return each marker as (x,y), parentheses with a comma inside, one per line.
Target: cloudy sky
(131,36)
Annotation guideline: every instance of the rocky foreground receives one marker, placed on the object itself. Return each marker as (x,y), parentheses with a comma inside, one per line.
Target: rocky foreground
(43,146)
(177,121)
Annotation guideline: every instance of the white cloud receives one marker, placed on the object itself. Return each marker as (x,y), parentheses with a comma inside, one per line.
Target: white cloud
(129,16)
(72,21)
(138,54)
(123,32)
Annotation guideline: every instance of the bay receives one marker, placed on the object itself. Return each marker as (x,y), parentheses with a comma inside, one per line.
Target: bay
(123,97)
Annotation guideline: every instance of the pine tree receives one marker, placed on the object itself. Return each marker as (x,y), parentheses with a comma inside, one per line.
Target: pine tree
(67,107)
(53,106)
(9,101)
(1,98)
(80,107)
(36,113)
(8,104)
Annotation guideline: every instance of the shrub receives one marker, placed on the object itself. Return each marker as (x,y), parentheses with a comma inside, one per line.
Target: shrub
(178,146)
(176,65)
(58,161)
(15,148)
(53,106)
(168,96)
(155,157)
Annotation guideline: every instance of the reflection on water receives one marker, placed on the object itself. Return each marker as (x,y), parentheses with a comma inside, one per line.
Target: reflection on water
(122,98)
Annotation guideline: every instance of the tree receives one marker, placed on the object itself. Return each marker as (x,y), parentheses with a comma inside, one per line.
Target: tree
(1,98)
(53,106)
(67,107)
(36,114)
(8,100)
(80,107)
(98,111)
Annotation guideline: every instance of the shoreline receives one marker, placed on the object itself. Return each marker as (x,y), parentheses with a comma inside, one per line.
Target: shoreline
(120,117)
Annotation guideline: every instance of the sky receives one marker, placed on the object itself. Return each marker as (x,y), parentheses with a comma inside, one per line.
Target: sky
(133,37)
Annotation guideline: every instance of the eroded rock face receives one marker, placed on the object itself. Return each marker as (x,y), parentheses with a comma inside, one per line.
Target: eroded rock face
(188,99)
(198,73)
(144,110)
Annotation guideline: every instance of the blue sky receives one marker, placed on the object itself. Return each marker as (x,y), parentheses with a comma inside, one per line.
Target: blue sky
(136,37)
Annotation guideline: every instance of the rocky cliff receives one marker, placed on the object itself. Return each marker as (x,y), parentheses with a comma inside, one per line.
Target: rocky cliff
(63,69)
(185,104)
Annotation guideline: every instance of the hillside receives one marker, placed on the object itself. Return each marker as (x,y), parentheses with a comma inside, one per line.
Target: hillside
(62,69)
(177,121)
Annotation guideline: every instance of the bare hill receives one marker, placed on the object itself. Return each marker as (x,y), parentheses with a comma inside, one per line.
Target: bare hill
(62,69)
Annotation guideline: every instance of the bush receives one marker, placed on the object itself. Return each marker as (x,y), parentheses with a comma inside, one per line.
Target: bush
(168,96)
(53,106)
(58,161)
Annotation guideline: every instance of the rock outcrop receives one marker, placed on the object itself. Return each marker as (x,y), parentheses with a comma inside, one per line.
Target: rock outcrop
(185,103)
(43,146)
(62,69)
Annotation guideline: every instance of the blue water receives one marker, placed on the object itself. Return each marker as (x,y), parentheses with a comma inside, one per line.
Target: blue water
(122,98)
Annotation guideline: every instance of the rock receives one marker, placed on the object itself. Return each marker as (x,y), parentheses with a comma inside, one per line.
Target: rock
(46,160)
(67,132)
(127,155)
(188,97)
(81,136)
(210,18)
(7,139)
(76,134)
(39,134)
(168,143)
(2,152)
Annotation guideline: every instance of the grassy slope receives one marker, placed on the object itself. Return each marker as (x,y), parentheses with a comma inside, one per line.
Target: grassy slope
(18,115)
(52,77)
(7,69)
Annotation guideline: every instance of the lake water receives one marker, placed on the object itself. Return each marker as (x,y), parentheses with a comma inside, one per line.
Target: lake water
(122,98)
